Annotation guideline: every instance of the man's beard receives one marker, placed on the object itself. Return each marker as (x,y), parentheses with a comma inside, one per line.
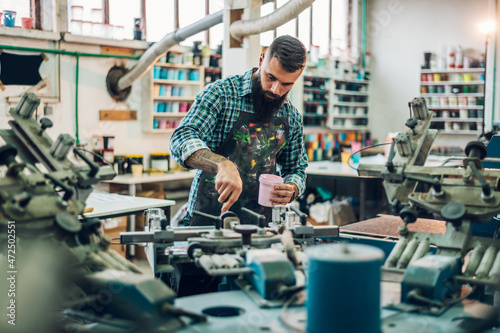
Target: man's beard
(265,103)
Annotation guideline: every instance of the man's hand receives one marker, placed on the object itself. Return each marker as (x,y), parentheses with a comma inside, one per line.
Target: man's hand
(228,183)
(282,193)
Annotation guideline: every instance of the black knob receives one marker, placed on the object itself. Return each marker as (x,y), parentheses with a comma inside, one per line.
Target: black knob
(7,154)
(91,226)
(163,223)
(68,222)
(411,123)
(454,212)
(246,231)
(45,123)
(302,216)
(192,247)
(408,214)
(217,219)
(476,149)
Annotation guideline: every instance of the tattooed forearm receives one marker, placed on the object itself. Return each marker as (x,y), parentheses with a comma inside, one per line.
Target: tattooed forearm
(205,160)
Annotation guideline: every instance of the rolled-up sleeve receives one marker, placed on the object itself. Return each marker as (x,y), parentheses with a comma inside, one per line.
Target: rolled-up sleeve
(192,133)
(293,158)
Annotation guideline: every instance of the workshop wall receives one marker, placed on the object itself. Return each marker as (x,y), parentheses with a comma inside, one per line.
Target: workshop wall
(398,33)
(93,96)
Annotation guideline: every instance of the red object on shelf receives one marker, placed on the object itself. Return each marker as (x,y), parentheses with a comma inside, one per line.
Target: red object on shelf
(26,22)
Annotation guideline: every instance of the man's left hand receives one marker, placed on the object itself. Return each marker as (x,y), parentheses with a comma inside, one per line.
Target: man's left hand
(283,193)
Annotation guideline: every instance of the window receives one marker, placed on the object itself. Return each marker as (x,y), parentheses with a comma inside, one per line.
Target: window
(21,7)
(191,11)
(266,38)
(216,32)
(304,20)
(159,19)
(122,14)
(339,27)
(82,15)
(321,31)
(287,28)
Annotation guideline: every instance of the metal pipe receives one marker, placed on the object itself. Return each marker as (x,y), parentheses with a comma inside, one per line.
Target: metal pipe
(494,70)
(285,13)
(219,262)
(396,253)
(486,262)
(153,53)
(495,268)
(407,254)
(363,33)
(421,251)
(77,131)
(474,260)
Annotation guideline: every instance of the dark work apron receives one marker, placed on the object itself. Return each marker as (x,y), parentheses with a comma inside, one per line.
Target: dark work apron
(252,144)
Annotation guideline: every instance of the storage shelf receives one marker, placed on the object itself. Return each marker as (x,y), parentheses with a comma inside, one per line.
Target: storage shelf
(166,122)
(316,102)
(178,82)
(454,95)
(460,107)
(316,90)
(164,130)
(348,92)
(317,118)
(352,81)
(360,104)
(315,115)
(178,66)
(459,132)
(174,98)
(213,69)
(450,83)
(169,114)
(459,70)
(313,77)
(309,129)
(461,120)
(43,99)
(352,128)
(353,116)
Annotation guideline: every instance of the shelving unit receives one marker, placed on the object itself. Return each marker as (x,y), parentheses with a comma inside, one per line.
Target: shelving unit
(456,96)
(337,104)
(335,114)
(173,88)
(316,101)
(350,105)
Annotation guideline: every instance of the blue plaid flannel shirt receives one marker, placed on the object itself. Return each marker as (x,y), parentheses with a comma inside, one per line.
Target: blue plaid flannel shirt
(211,118)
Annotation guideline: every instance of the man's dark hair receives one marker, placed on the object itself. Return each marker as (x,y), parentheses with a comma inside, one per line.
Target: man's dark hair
(290,52)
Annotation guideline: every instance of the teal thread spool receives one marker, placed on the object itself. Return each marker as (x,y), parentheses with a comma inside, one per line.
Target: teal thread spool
(344,282)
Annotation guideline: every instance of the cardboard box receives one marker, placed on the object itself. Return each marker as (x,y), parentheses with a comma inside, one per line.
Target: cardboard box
(112,228)
(343,213)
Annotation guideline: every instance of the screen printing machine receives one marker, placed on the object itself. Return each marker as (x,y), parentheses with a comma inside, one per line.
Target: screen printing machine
(287,276)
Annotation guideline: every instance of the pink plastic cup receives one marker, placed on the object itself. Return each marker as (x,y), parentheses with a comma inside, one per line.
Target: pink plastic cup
(266,188)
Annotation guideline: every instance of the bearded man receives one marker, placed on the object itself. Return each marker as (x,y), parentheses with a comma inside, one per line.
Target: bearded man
(241,127)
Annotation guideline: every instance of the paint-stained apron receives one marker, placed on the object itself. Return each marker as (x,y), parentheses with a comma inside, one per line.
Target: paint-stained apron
(252,145)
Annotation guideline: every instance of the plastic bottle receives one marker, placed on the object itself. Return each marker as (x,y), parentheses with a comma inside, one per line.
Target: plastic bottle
(459,58)
(450,59)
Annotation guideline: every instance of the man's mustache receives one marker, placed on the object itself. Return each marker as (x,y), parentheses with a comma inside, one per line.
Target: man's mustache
(271,95)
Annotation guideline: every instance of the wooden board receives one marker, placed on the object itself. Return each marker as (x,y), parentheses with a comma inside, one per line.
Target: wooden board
(117,115)
(235,15)
(117,50)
